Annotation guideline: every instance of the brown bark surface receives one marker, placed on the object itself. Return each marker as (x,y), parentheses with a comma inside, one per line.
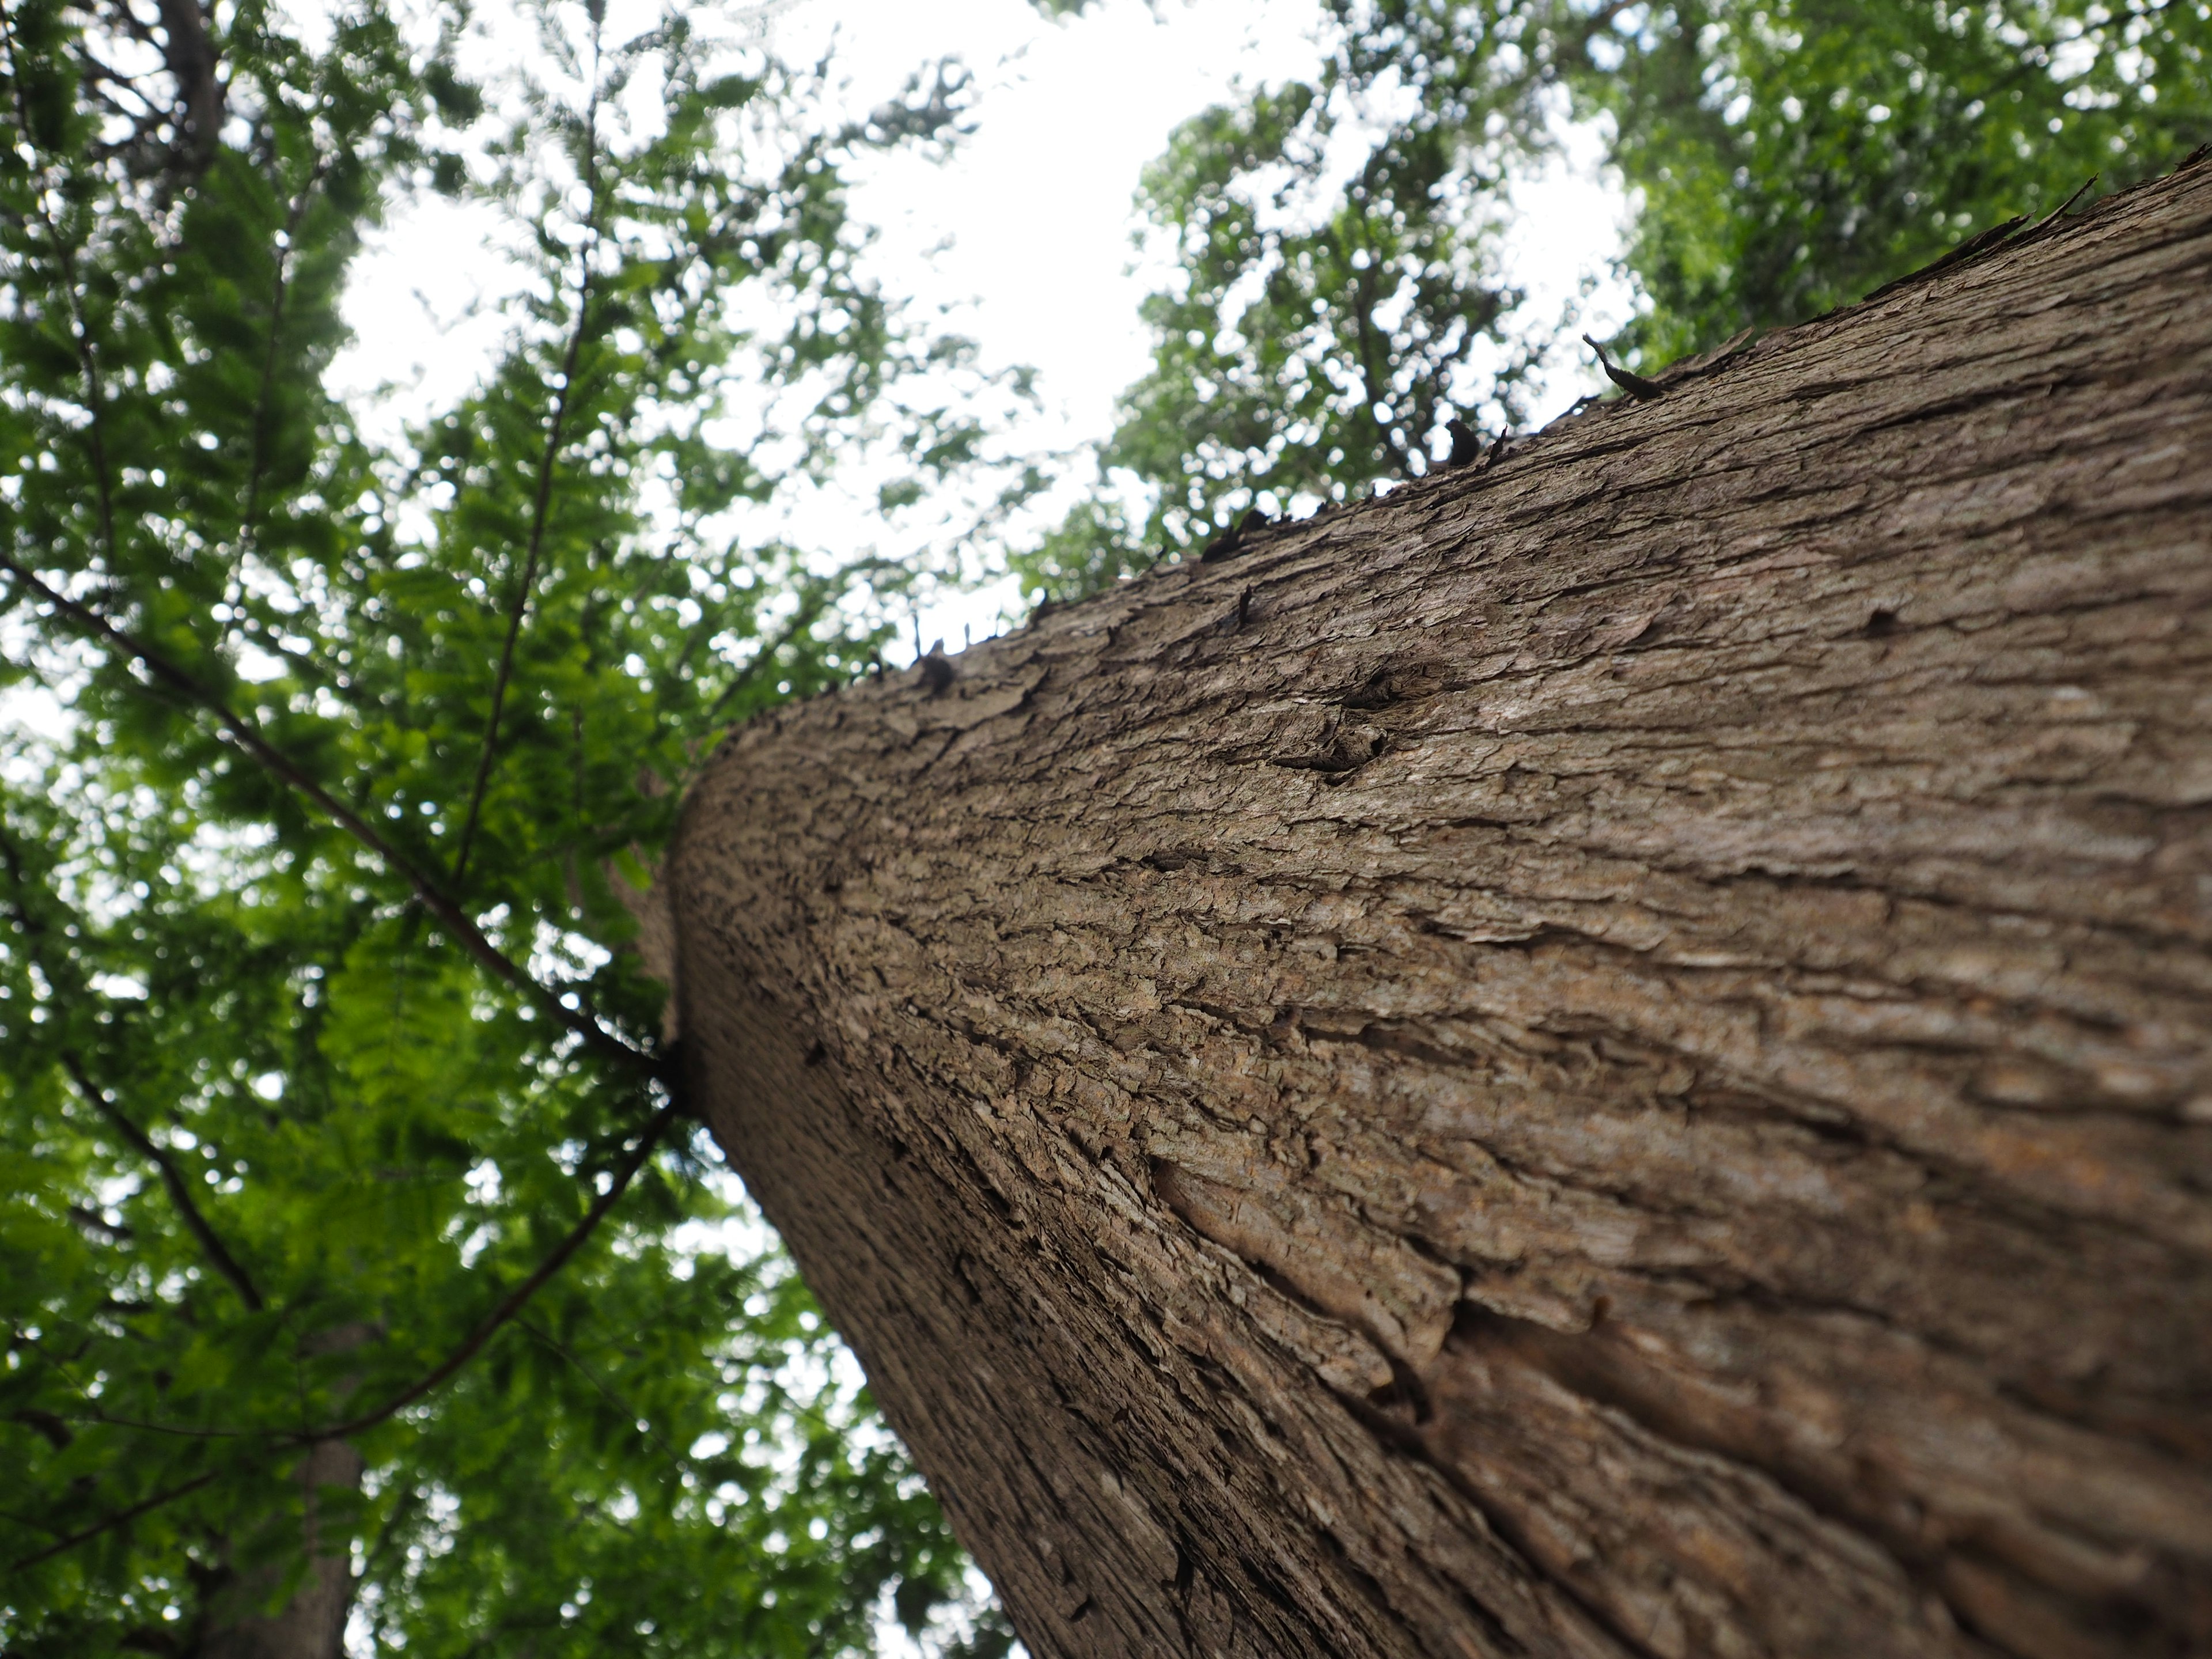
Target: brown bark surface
(312,1624)
(1610,1055)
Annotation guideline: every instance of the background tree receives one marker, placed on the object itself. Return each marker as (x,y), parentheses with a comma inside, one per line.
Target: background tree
(1336,296)
(361,1249)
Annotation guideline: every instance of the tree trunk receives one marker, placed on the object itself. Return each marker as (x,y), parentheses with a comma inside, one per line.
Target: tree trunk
(312,1624)
(1609,1055)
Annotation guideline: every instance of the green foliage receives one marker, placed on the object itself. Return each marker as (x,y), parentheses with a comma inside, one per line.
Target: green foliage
(334,1107)
(1311,344)
(1794,156)
(1335,298)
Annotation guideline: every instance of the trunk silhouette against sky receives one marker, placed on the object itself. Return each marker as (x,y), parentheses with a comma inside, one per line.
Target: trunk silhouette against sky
(1609,1055)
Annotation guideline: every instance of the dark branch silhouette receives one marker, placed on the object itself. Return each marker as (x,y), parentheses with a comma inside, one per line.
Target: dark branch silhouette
(607,1044)
(516,1299)
(541,507)
(80,334)
(509,1306)
(250,521)
(180,1190)
(120,1518)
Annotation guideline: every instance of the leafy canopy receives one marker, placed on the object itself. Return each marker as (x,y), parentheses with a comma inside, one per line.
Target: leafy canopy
(357,1229)
(1336,294)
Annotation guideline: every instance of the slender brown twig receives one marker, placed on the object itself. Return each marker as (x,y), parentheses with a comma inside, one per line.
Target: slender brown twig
(197,1223)
(486,1328)
(119,1518)
(514,1301)
(541,506)
(561,1350)
(88,363)
(259,463)
(596,1036)
(172,1177)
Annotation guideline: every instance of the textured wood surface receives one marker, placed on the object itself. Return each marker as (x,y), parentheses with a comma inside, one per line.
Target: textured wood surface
(1608,1056)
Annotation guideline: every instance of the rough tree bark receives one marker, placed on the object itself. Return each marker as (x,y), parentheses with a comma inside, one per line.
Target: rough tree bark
(1610,1056)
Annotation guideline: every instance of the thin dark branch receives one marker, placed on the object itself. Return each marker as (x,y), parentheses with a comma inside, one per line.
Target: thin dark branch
(88,363)
(93,1221)
(124,17)
(515,1300)
(192,62)
(119,1518)
(97,75)
(268,637)
(177,1429)
(1365,299)
(606,1393)
(596,1036)
(541,506)
(809,612)
(260,463)
(762,657)
(180,1191)
(373,1559)
(23,1520)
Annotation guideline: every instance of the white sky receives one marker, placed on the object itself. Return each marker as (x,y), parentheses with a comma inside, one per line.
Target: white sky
(1026,232)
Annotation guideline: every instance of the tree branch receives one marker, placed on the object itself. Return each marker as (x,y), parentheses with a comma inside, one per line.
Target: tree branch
(181,1431)
(808,613)
(541,506)
(514,1301)
(373,1557)
(88,364)
(192,59)
(561,1350)
(803,619)
(180,1190)
(259,463)
(119,1518)
(597,1037)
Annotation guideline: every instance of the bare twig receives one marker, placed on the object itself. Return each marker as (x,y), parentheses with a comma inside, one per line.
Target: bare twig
(546,1338)
(179,1189)
(88,363)
(804,618)
(508,1308)
(192,61)
(183,1431)
(172,1177)
(259,462)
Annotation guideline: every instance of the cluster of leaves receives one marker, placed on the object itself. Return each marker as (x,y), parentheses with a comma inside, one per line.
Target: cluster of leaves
(1794,156)
(1335,297)
(355,1212)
